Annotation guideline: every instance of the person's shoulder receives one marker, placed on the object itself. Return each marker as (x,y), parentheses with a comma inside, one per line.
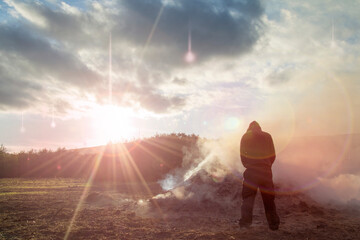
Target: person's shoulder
(266,134)
(245,136)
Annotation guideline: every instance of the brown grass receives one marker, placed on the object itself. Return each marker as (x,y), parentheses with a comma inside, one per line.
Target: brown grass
(43,209)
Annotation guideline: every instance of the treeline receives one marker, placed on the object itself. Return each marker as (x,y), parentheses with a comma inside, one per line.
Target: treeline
(140,160)
(44,163)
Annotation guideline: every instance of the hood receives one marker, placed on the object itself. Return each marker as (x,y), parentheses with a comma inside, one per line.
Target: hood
(254,126)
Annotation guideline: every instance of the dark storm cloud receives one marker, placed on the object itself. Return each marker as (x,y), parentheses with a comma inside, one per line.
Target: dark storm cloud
(45,41)
(29,60)
(218,28)
(44,58)
(16,93)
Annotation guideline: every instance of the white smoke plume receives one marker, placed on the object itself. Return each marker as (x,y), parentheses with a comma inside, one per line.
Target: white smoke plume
(326,167)
(217,158)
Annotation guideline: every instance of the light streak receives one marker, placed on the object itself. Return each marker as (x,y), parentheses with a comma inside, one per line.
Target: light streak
(189,56)
(84,194)
(22,129)
(53,124)
(189,39)
(332,34)
(152,30)
(110,70)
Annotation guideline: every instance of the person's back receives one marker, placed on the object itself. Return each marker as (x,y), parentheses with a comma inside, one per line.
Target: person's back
(257,148)
(257,155)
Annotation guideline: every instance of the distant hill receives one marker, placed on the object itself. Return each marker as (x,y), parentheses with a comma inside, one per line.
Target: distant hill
(141,160)
(152,158)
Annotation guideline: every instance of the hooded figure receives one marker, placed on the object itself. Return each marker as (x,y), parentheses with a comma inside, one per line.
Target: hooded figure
(257,154)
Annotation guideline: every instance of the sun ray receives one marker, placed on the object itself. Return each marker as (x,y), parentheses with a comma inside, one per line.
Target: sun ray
(159,159)
(137,171)
(68,163)
(22,129)
(143,51)
(53,124)
(44,164)
(84,194)
(83,164)
(152,31)
(166,147)
(110,70)
(114,156)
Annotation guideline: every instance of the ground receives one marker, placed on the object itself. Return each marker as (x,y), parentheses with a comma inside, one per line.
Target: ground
(44,209)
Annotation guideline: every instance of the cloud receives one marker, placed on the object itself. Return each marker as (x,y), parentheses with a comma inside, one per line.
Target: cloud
(44,59)
(147,97)
(34,67)
(160,104)
(29,11)
(64,46)
(180,81)
(62,22)
(16,93)
(278,77)
(218,28)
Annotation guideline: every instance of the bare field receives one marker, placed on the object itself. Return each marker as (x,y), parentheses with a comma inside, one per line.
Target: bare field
(49,208)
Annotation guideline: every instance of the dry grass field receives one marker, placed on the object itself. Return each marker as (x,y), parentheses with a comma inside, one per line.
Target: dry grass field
(49,209)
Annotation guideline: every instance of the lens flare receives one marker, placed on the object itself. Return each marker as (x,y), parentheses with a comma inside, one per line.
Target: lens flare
(112,123)
(232,123)
(110,70)
(190,57)
(22,129)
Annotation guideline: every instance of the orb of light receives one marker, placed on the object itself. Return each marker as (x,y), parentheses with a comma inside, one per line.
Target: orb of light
(112,123)
(190,57)
(232,123)
(53,124)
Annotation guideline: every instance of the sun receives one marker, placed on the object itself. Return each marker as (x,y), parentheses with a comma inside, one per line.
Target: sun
(112,123)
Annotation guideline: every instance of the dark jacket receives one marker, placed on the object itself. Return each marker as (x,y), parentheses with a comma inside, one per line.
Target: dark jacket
(257,148)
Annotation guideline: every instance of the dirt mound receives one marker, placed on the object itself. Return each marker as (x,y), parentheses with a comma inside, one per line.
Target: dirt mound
(202,193)
(211,196)
(99,199)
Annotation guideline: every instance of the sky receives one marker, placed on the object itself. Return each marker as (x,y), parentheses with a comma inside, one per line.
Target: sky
(80,73)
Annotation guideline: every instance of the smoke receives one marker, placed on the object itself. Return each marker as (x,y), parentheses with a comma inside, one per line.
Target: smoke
(344,187)
(215,158)
(323,167)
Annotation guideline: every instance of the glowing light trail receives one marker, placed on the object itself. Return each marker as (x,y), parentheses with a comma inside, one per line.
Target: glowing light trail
(332,34)
(138,173)
(84,194)
(152,30)
(110,70)
(22,129)
(190,56)
(53,124)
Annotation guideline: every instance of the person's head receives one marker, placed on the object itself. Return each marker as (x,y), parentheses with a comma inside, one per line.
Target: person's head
(254,126)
